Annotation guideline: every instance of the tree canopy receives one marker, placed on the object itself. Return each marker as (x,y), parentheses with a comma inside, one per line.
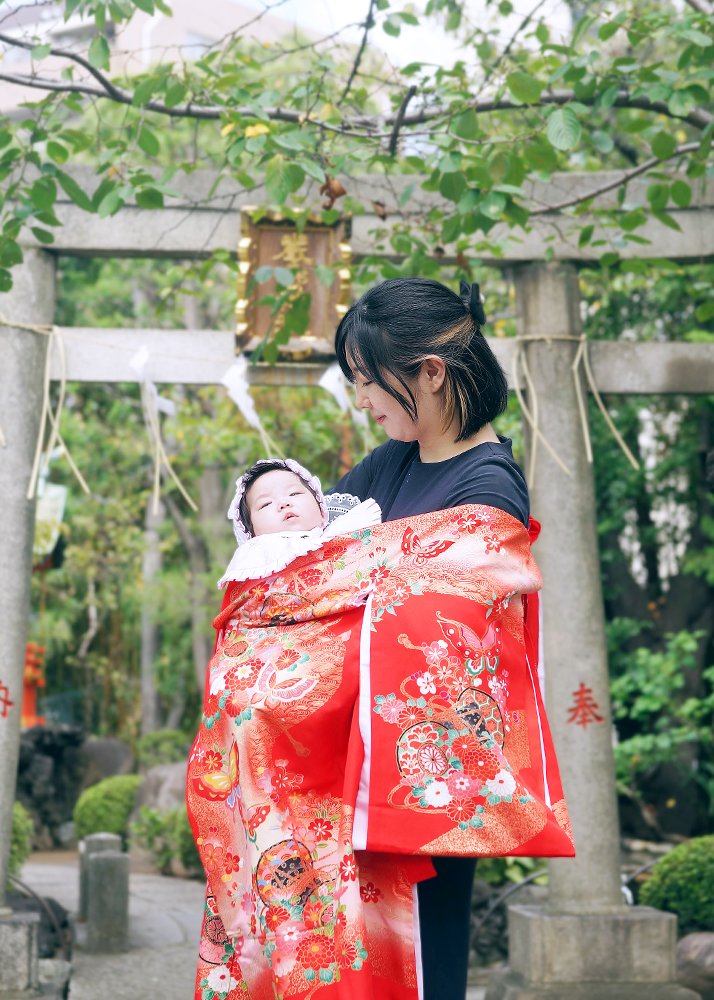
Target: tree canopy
(630,90)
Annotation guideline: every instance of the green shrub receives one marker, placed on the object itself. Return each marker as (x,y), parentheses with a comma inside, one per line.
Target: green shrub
(501,871)
(20,839)
(167,835)
(683,883)
(186,845)
(165,746)
(106,807)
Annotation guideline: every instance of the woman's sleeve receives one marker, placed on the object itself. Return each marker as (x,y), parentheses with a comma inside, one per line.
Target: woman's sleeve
(357,481)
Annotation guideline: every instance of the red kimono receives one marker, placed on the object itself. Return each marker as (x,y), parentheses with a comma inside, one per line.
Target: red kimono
(371,706)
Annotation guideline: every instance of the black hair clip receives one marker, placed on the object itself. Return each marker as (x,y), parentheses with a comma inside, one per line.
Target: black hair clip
(472,299)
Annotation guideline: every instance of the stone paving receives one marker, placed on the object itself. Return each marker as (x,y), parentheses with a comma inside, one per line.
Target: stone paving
(164,928)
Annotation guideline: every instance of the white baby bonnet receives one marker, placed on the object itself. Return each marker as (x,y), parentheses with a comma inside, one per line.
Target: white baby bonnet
(241,532)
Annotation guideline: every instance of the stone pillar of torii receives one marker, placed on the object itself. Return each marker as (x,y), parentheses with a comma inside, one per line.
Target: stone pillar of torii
(586,942)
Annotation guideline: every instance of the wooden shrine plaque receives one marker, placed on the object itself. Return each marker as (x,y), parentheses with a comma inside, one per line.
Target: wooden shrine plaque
(276,242)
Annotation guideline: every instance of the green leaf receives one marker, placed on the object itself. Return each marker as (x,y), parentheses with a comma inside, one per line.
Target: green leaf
(663,145)
(148,142)
(451,228)
(603,141)
(606,31)
(524,87)
(43,193)
(608,98)
(297,176)
(174,95)
(57,152)
(73,191)
(149,198)
(563,129)
(278,179)
(110,204)
(492,205)
(146,5)
(658,196)
(666,219)
(499,167)
(586,234)
(325,275)
(98,54)
(5,280)
(452,185)
(10,253)
(391,28)
(40,52)
(633,220)
(42,235)
(144,91)
(314,170)
(284,276)
(609,259)
(542,33)
(696,37)
(705,311)
(540,155)
(681,103)
(583,25)
(466,125)
(406,194)
(681,193)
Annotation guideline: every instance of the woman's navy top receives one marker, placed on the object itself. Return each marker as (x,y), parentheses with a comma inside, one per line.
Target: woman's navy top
(403,485)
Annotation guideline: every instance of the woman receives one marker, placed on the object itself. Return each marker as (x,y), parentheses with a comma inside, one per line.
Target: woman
(375,703)
(422,368)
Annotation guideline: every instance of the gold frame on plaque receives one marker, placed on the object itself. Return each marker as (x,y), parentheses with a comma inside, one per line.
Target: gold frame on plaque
(294,253)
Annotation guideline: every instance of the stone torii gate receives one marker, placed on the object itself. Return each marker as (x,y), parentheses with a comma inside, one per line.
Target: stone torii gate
(587,943)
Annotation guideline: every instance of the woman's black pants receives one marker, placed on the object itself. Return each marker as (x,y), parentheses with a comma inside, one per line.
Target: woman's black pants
(444,924)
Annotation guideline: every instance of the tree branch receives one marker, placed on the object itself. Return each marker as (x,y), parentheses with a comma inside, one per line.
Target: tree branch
(698,117)
(626,176)
(368,25)
(701,6)
(399,119)
(114,92)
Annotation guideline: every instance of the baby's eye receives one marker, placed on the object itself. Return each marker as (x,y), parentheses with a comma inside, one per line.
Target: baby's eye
(264,505)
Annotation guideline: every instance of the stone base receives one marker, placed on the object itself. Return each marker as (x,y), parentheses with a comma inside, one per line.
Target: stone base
(18,952)
(635,944)
(513,987)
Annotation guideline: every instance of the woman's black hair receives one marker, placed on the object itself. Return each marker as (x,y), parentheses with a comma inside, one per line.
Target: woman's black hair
(395,326)
(251,477)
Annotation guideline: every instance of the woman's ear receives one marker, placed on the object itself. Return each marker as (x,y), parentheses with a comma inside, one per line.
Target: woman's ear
(432,374)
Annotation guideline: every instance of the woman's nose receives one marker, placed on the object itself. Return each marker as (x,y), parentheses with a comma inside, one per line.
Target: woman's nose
(361,399)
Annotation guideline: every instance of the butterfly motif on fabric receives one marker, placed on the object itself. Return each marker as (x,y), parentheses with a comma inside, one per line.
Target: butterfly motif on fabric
(412,546)
(274,692)
(481,651)
(219,785)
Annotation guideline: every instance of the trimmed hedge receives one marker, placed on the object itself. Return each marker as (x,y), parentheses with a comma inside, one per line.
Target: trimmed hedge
(683,883)
(21,838)
(106,806)
(165,746)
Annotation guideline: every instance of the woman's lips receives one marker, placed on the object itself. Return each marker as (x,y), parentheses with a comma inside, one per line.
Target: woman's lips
(379,420)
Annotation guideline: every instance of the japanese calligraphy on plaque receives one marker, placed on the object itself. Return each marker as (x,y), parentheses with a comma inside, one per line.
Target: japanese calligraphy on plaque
(276,242)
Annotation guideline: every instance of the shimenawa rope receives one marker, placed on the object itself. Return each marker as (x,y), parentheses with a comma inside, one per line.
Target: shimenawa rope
(530,413)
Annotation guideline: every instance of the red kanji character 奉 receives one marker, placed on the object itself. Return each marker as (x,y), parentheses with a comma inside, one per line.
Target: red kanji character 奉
(5,703)
(585,709)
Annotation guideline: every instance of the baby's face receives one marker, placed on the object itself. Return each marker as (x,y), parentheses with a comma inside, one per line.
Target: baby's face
(280,501)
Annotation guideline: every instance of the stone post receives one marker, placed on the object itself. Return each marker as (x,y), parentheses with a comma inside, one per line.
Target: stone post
(95,843)
(22,358)
(586,933)
(108,902)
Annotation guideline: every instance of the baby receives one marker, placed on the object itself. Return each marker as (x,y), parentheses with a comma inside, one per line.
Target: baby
(279,512)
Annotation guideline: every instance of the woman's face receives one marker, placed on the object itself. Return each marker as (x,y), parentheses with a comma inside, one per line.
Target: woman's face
(384,409)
